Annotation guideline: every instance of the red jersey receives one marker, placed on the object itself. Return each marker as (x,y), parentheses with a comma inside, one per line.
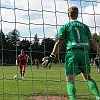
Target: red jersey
(37,62)
(22,59)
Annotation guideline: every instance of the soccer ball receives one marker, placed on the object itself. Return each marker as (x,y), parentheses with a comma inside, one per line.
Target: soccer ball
(15,77)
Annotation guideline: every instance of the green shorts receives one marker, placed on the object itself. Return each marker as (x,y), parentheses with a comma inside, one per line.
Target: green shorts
(77,61)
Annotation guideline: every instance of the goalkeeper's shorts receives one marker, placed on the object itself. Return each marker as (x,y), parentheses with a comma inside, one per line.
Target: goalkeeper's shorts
(77,61)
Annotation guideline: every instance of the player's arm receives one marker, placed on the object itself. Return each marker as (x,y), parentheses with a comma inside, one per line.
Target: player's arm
(57,46)
(94,45)
(16,60)
(26,56)
(48,60)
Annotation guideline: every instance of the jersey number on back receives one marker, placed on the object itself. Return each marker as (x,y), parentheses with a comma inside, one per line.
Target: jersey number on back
(78,34)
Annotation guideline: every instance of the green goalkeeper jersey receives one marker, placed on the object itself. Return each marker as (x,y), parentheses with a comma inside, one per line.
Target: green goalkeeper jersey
(76,35)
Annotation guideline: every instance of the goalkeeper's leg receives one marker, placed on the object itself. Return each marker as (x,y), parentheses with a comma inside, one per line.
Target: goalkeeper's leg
(71,87)
(71,90)
(92,85)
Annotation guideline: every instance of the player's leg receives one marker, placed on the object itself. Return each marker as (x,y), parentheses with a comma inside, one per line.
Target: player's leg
(71,68)
(71,89)
(37,65)
(97,68)
(20,70)
(86,74)
(92,85)
(23,70)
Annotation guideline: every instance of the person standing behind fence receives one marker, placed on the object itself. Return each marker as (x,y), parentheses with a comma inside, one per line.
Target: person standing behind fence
(92,61)
(22,62)
(78,39)
(97,63)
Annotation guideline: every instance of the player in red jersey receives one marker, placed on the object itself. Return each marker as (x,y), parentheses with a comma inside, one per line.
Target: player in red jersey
(37,63)
(22,61)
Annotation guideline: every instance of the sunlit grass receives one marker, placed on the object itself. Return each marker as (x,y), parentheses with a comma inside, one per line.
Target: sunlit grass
(40,81)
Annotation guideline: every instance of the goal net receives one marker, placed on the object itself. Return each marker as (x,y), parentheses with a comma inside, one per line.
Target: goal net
(33,25)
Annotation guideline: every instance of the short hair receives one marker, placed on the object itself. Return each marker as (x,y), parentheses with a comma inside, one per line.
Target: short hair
(73,11)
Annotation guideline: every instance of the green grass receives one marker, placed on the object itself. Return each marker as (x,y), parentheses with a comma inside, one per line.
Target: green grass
(40,82)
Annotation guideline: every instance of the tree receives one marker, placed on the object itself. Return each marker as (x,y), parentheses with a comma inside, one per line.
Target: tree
(47,46)
(14,35)
(36,42)
(2,37)
(24,44)
(10,46)
(2,42)
(35,47)
(95,37)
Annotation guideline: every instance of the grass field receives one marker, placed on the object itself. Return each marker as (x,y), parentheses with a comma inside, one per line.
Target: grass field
(41,82)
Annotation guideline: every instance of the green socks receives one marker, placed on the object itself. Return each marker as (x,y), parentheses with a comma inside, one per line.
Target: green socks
(71,90)
(93,86)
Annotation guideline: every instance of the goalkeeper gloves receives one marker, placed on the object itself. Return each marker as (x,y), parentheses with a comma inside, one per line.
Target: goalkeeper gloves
(47,61)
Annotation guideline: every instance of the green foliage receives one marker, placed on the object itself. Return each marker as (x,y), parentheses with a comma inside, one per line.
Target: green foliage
(41,82)
(96,38)
(14,35)
(10,46)
(2,37)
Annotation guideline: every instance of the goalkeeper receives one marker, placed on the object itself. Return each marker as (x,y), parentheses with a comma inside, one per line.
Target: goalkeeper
(78,39)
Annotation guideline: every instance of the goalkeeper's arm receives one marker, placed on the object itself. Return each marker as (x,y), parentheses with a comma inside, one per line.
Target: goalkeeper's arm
(57,46)
(47,61)
(94,45)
